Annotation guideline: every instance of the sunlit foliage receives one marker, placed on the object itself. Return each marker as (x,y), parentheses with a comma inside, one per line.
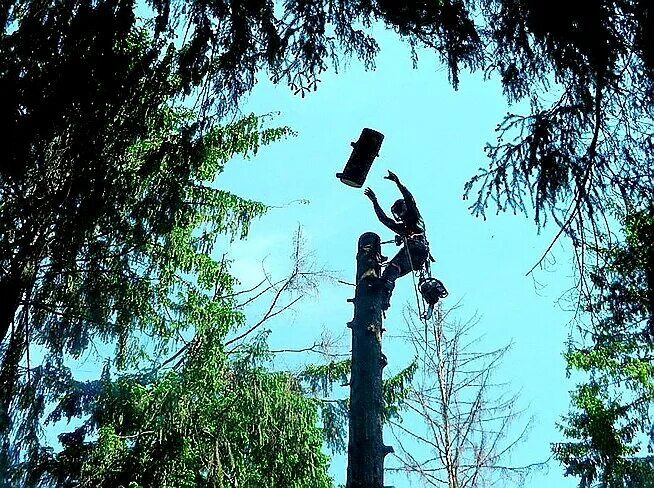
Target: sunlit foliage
(609,425)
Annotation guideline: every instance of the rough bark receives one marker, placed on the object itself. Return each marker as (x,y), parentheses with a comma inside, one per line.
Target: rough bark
(366,450)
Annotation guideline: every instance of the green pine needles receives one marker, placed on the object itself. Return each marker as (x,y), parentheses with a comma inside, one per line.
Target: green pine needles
(110,219)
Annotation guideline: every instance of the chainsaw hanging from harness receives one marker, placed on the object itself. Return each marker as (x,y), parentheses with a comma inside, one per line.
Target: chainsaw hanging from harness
(410,258)
(432,290)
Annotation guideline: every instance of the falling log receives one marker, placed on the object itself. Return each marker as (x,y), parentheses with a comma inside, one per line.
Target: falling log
(364,152)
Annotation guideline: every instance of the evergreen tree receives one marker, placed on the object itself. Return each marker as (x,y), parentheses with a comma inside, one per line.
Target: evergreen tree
(105,206)
(609,424)
(108,222)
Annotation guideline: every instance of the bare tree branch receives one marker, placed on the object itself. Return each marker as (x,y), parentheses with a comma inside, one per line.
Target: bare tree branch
(466,419)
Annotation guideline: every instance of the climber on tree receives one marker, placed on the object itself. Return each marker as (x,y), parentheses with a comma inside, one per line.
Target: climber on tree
(410,229)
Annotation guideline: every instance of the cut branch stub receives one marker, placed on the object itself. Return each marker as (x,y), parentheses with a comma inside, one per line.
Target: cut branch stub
(366,448)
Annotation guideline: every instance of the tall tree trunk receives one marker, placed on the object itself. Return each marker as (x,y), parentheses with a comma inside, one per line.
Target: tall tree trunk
(9,375)
(17,280)
(366,450)
(11,289)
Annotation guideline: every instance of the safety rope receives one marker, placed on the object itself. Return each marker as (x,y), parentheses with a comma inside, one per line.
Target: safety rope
(413,273)
(426,269)
(421,307)
(421,314)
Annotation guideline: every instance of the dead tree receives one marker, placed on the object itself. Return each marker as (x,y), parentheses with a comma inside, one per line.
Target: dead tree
(460,423)
(366,450)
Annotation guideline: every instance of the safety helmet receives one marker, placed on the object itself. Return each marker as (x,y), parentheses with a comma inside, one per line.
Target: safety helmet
(398,209)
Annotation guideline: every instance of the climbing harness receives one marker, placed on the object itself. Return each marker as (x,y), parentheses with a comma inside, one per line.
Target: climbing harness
(429,288)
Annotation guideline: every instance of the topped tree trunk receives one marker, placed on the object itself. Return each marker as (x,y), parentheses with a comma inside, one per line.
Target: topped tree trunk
(366,450)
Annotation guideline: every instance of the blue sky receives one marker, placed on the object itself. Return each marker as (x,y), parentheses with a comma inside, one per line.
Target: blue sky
(434,139)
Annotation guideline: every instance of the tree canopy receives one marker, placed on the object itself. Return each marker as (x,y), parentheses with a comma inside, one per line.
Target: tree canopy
(115,124)
(108,225)
(609,426)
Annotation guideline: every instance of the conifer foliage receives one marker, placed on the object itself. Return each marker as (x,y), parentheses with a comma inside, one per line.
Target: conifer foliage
(109,213)
(609,426)
(109,219)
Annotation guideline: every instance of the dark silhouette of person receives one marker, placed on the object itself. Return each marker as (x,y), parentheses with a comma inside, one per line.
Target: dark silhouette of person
(410,230)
